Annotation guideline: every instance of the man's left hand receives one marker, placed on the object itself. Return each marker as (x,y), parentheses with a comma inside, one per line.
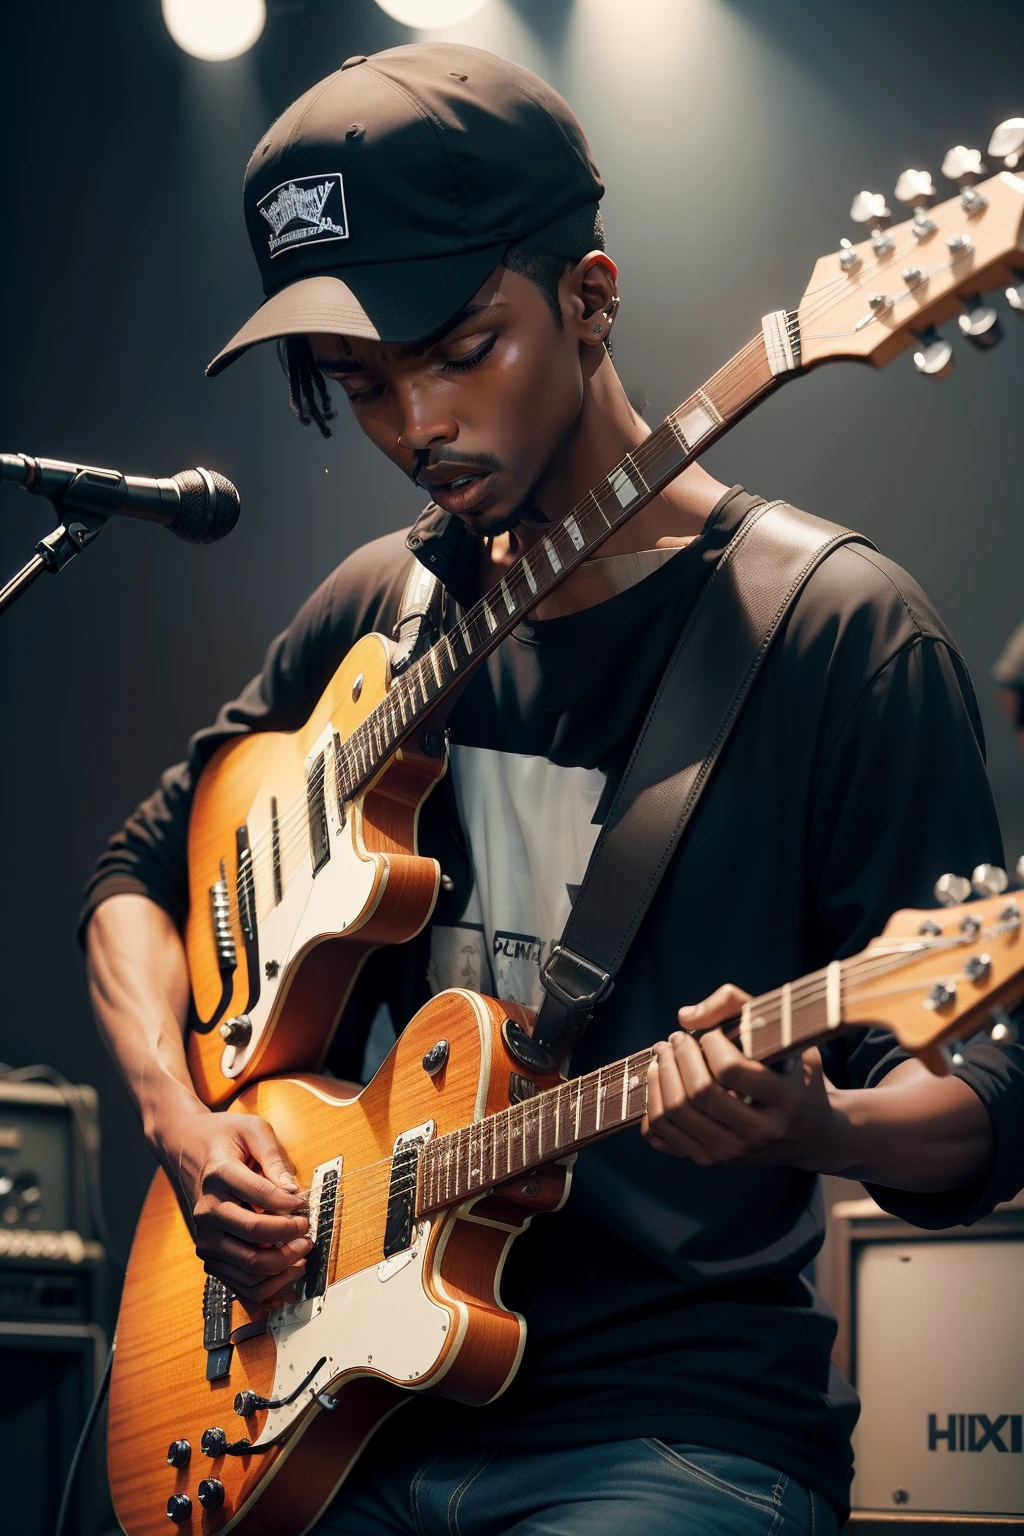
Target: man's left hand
(708,1102)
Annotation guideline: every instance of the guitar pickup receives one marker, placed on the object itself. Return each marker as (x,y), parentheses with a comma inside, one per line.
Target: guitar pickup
(398,1229)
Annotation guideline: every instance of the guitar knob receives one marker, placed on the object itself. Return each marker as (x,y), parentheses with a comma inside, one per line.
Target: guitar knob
(246,1404)
(179,1453)
(951,890)
(1007,142)
(979,323)
(933,355)
(990,880)
(211,1493)
(236,1031)
(179,1508)
(214,1442)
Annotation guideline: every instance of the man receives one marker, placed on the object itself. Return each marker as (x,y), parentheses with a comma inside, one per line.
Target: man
(427,229)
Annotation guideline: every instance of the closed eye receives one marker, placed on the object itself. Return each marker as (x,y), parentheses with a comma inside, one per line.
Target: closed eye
(464,364)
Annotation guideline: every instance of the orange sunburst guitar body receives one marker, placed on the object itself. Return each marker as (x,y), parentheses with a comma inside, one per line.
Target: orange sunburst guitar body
(291,885)
(417,1185)
(418,1308)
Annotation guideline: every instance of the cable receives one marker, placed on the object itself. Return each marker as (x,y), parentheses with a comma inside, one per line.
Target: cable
(83,1441)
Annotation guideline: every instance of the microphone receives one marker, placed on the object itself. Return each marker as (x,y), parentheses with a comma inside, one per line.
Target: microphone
(197,505)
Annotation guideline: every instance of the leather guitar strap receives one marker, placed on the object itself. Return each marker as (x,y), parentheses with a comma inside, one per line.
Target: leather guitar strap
(709,675)
(418,619)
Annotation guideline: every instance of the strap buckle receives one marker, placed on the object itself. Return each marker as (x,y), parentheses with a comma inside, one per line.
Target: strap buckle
(578,984)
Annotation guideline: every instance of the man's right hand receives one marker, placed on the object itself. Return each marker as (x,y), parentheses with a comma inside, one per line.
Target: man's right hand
(240,1188)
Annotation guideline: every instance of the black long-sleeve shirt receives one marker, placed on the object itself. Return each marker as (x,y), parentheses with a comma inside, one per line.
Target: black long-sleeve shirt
(666,1299)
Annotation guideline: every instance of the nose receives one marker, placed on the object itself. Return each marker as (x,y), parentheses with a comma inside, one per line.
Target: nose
(424,423)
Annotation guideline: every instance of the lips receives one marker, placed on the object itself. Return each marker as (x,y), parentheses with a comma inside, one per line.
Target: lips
(464,492)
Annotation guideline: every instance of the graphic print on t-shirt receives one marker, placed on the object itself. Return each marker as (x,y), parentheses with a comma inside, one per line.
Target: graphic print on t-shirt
(530,828)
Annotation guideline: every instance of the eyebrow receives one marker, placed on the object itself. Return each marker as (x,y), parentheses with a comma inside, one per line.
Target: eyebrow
(408,349)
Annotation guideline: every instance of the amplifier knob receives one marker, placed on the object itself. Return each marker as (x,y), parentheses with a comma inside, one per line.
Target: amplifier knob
(214,1442)
(211,1493)
(178,1453)
(179,1508)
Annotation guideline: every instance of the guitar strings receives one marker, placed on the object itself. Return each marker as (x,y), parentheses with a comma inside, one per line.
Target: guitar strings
(587,1090)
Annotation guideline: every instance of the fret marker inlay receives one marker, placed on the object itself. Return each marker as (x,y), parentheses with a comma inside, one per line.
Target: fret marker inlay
(572,528)
(623,486)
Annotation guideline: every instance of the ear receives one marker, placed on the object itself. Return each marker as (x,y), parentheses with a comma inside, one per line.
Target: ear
(589,298)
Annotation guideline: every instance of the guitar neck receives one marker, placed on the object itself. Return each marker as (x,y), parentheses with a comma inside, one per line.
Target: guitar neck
(635,480)
(560,1121)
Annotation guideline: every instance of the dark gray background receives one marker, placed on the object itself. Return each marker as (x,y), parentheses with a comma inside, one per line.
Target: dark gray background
(732,137)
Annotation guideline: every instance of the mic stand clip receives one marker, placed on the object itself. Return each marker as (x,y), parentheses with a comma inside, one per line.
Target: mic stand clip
(54,552)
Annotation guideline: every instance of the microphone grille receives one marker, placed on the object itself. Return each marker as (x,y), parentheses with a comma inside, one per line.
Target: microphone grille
(209,509)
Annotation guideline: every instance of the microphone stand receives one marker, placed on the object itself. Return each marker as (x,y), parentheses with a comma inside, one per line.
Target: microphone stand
(54,552)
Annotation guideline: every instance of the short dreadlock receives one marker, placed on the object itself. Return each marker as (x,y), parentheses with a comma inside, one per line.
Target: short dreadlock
(544,257)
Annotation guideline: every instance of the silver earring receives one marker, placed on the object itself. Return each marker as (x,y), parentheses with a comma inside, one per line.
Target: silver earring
(597,330)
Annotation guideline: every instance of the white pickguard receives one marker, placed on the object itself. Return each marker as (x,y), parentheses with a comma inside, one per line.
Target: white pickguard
(370,1323)
(339,898)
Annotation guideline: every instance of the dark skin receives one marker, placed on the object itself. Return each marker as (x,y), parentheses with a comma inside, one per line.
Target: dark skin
(540,412)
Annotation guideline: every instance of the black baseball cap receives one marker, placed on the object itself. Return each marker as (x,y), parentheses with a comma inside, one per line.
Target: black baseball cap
(378,202)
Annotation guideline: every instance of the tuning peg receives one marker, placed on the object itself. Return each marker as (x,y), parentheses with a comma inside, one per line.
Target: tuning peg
(1001,1028)
(1007,142)
(979,323)
(1015,292)
(951,890)
(964,166)
(869,208)
(915,188)
(989,880)
(933,357)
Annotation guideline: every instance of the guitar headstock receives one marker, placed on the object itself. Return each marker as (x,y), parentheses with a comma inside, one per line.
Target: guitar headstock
(946,973)
(871,300)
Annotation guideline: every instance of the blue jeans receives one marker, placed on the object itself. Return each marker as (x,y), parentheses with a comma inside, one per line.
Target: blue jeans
(629,1486)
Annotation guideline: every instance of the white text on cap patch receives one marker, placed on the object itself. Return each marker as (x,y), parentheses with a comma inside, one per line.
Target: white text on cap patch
(305,212)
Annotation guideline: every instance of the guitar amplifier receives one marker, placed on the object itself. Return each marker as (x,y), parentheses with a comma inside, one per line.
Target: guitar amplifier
(45,1135)
(930,1334)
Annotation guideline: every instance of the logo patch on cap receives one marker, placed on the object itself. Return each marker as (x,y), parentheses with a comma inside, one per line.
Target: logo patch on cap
(305,211)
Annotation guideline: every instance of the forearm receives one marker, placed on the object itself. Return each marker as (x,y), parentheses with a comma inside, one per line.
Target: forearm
(138,979)
(914,1131)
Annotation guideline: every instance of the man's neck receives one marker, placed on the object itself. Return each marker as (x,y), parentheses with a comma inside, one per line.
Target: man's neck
(606,428)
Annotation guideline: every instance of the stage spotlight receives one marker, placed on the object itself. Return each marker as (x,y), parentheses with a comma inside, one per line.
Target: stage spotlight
(215,29)
(430,13)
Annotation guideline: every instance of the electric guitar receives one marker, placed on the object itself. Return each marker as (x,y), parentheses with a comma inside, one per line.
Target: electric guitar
(302,846)
(226,1417)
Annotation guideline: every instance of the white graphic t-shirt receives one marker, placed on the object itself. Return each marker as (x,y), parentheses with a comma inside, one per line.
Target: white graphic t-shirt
(531,830)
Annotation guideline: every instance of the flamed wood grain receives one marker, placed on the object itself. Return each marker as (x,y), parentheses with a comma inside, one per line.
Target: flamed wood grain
(383,820)
(159,1392)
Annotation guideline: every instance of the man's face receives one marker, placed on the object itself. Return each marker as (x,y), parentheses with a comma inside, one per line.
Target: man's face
(475,415)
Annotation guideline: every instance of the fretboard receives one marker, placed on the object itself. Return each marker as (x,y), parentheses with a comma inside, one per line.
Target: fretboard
(540,1130)
(639,476)
(559,1121)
